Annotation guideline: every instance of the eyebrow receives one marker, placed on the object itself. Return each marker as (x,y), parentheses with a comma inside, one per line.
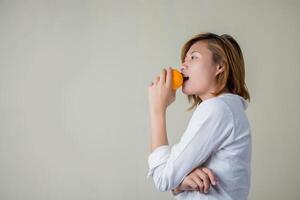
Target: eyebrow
(191,53)
(195,51)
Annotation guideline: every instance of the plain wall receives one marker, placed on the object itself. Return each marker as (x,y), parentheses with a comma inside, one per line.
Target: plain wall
(74,118)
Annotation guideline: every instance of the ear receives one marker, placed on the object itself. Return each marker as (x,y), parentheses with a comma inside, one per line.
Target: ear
(220,69)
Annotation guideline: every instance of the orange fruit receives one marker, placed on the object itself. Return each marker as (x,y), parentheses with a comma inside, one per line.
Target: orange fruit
(177,79)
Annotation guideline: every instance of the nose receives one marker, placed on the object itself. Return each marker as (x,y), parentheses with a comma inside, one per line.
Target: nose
(182,67)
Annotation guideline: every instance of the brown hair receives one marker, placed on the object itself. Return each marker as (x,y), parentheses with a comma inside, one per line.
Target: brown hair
(225,50)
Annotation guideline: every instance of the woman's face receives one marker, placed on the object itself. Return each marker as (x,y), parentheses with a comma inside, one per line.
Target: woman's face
(199,67)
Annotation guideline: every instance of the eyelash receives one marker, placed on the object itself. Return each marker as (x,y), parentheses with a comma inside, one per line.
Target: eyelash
(191,57)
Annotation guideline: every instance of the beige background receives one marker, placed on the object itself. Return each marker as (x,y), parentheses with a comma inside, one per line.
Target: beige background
(73,92)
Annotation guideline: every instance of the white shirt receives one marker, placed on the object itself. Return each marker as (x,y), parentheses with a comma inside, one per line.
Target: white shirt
(218,136)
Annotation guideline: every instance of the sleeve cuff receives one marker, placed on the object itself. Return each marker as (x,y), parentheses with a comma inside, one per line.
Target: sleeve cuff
(177,196)
(158,157)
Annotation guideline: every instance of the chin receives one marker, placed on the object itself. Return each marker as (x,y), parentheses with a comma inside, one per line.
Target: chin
(187,92)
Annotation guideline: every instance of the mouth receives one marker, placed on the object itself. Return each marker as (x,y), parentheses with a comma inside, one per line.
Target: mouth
(185,78)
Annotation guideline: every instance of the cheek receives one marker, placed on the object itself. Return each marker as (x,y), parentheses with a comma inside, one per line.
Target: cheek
(202,73)
(204,76)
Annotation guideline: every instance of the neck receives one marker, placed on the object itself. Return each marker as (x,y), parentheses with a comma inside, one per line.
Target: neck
(208,95)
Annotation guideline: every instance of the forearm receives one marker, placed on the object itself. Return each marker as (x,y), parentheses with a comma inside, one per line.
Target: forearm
(158,129)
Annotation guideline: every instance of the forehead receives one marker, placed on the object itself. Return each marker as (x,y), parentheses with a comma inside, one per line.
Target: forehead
(200,46)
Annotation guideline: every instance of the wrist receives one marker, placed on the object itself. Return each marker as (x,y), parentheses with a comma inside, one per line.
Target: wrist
(157,111)
(177,191)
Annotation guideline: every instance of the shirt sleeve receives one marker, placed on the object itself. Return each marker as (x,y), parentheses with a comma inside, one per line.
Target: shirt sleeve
(209,126)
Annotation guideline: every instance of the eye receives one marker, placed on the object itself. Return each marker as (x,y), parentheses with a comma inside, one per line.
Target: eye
(193,57)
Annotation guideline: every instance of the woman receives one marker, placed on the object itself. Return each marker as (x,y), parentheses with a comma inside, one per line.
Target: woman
(217,140)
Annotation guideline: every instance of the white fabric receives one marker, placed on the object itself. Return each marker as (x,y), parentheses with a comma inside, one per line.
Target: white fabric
(218,136)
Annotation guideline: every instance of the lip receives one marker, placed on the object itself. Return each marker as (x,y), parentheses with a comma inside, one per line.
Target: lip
(184,82)
(184,75)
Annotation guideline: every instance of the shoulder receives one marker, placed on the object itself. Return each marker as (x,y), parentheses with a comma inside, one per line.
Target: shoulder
(215,109)
(212,116)
(213,106)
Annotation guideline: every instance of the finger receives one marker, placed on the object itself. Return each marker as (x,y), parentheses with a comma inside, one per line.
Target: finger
(204,178)
(169,77)
(199,182)
(212,177)
(189,184)
(163,76)
(156,80)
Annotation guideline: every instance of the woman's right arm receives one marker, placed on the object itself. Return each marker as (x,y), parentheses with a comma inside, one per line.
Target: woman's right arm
(208,128)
